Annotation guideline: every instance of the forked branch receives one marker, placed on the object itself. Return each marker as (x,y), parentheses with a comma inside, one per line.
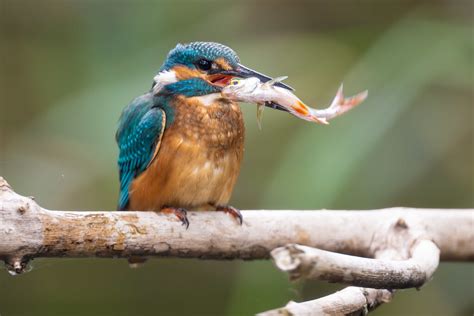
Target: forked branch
(374,276)
(417,237)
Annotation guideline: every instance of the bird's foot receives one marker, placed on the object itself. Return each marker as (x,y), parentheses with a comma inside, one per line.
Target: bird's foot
(179,212)
(232,211)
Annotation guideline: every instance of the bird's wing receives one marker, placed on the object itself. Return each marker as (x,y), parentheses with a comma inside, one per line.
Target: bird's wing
(141,128)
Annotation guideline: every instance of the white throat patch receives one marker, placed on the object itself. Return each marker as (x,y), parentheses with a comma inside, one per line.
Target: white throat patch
(164,78)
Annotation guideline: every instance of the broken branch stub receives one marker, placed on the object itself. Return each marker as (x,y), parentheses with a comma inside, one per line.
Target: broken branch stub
(302,262)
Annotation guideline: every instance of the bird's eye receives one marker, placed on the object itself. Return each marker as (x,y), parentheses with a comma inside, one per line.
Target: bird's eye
(204,64)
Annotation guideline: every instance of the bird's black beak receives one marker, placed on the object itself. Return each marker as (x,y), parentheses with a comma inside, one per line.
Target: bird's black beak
(245,72)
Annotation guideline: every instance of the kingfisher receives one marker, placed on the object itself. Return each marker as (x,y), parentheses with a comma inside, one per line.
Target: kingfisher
(181,143)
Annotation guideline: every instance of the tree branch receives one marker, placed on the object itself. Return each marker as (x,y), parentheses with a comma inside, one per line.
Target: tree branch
(310,263)
(301,261)
(405,257)
(407,243)
(29,231)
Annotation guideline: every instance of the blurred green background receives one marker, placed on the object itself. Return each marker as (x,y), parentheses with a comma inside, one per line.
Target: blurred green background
(69,67)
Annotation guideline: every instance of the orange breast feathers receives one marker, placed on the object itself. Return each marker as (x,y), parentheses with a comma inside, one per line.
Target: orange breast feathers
(199,159)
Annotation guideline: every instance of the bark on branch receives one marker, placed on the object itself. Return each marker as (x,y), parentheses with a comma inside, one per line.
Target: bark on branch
(30,231)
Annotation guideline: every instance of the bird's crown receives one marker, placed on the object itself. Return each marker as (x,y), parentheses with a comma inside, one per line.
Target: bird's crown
(200,55)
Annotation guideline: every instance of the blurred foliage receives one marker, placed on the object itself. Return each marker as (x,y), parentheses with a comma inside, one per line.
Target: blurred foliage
(69,67)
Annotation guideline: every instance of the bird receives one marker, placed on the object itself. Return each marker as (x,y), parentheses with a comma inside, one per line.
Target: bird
(181,143)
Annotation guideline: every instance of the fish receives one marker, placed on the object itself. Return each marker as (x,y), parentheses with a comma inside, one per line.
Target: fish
(252,90)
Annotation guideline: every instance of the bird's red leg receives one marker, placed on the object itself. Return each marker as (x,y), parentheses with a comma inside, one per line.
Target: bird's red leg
(231,210)
(179,212)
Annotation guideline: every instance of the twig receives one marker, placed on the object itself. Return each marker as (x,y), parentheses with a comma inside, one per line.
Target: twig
(310,263)
(349,301)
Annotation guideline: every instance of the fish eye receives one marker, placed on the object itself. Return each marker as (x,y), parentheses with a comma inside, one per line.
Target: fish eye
(204,64)
(234,82)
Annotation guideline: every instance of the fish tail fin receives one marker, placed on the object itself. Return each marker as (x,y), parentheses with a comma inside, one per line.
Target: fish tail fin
(339,98)
(356,99)
(345,104)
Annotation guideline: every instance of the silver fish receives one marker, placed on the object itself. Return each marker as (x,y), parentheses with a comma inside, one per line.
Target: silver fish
(252,90)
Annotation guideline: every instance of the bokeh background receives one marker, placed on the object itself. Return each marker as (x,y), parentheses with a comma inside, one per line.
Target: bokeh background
(69,67)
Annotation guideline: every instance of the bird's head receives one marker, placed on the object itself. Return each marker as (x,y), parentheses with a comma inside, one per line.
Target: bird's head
(208,66)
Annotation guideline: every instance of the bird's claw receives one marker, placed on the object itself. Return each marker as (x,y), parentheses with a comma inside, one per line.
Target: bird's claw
(232,211)
(179,212)
(182,215)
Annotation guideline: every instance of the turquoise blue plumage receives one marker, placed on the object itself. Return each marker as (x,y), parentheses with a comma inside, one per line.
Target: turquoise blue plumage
(140,128)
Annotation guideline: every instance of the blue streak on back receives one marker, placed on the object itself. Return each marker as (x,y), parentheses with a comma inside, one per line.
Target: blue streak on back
(140,126)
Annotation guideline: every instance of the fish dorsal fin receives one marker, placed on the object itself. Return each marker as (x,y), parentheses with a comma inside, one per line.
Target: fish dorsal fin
(275,80)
